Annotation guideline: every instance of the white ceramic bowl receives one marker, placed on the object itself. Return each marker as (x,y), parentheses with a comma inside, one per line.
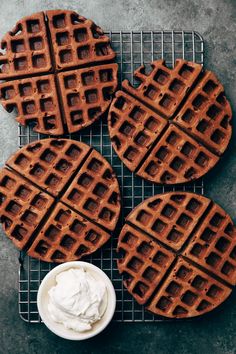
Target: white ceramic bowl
(58,328)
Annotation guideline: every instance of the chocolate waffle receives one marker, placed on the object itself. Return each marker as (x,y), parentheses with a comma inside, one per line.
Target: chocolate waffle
(67,236)
(93,191)
(174,126)
(58,71)
(25,49)
(177,254)
(49,163)
(86,94)
(59,199)
(35,102)
(23,206)
(76,41)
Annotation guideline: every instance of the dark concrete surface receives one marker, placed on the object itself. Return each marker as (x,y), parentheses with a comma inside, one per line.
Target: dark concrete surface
(216,21)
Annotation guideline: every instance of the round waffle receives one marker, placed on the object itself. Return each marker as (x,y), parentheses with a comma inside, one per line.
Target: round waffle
(59,199)
(174,126)
(59,72)
(178,254)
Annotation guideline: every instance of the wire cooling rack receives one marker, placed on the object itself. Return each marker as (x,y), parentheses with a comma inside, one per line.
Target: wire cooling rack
(133,49)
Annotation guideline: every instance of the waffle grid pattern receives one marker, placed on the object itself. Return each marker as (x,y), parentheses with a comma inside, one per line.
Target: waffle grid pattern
(86,94)
(139,119)
(53,165)
(207,114)
(77,40)
(196,292)
(61,155)
(173,85)
(24,207)
(177,220)
(94,193)
(77,236)
(56,41)
(177,217)
(133,49)
(146,259)
(202,127)
(215,253)
(177,158)
(35,101)
(25,49)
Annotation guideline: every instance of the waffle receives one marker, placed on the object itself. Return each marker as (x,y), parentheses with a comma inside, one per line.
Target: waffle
(25,49)
(188,292)
(133,136)
(164,89)
(86,94)
(207,114)
(174,126)
(48,190)
(177,254)
(49,163)
(35,102)
(177,158)
(214,245)
(77,41)
(143,263)
(23,206)
(171,217)
(67,236)
(93,191)
(47,82)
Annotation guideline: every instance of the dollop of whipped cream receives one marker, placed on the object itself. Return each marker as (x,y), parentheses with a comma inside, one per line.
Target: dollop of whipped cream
(77,300)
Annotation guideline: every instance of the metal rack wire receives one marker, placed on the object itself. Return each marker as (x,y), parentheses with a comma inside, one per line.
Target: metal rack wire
(133,49)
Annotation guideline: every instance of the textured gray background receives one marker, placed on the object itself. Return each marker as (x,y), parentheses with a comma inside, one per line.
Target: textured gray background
(215,20)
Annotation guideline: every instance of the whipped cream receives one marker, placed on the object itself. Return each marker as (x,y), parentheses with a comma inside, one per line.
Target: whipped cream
(77,300)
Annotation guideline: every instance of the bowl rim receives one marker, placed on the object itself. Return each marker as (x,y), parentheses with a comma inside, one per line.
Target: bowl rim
(111,296)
